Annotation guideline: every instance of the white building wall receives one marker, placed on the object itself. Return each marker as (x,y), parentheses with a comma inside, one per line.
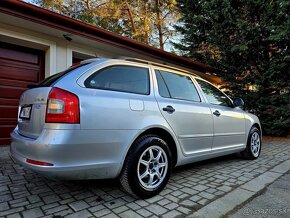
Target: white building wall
(58,51)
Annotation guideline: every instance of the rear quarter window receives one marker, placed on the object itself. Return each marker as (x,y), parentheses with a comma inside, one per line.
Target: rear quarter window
(49,81)
(121,78)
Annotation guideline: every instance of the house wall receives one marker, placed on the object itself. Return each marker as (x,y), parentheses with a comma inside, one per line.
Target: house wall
(58,51)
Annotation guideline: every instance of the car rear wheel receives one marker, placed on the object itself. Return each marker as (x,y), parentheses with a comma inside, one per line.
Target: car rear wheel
(254,145)
(147,167)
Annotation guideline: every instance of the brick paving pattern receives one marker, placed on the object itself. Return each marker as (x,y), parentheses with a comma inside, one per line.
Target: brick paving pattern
(24,193)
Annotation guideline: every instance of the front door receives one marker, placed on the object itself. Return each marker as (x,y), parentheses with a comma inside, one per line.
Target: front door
(229,121)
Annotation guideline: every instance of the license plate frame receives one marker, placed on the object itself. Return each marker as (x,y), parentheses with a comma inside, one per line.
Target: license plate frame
(25,112)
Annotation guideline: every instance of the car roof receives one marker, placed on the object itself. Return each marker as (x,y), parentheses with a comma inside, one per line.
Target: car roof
(137,60)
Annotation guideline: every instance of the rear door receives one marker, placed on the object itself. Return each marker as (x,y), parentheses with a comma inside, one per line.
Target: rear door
(182,107)
(229,121)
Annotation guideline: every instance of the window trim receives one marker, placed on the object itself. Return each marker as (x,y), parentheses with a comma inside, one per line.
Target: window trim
(207,101)
(166,86)
(117,90)
(177,73)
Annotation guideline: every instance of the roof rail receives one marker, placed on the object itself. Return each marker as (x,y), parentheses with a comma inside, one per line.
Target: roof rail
(154,63)
(139,60)
(90,60)
(126,58)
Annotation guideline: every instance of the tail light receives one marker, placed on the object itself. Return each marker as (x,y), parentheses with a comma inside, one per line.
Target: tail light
(62,107)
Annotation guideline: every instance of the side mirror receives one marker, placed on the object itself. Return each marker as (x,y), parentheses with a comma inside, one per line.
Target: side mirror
(238,102)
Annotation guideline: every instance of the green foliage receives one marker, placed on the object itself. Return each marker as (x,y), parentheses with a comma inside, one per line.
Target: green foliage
(251,40)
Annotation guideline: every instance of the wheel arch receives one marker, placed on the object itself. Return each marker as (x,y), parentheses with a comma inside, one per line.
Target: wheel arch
(167,137)
(162,133)
(258,126)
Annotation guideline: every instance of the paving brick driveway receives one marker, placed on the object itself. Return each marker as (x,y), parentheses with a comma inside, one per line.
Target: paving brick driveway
(26,194)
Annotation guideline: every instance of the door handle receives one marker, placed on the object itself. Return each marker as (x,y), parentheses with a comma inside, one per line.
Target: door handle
(217,113)
(168,109)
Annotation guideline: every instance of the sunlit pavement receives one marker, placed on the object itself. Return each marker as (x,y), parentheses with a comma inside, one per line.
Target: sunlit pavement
(210,188)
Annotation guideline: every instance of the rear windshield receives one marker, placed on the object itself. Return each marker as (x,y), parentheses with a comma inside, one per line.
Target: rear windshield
(49,81)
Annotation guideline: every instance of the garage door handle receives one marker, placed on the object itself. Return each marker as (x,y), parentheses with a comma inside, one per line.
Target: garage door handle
(217,113)
(169,109)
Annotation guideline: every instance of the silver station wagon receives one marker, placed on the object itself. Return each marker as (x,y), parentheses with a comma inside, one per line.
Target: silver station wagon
(128,119)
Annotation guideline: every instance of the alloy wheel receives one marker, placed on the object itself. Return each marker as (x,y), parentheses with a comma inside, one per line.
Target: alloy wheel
(152,167)
(255,144)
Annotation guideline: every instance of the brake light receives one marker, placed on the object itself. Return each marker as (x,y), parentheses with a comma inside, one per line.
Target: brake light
(62,107)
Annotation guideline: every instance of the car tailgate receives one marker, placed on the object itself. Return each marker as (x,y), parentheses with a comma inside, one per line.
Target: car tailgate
(32,109)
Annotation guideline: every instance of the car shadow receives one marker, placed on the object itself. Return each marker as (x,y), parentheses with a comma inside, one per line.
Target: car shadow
(111,184)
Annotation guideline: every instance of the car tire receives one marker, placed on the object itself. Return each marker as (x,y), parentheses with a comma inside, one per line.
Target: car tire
(254,145)
(147,167)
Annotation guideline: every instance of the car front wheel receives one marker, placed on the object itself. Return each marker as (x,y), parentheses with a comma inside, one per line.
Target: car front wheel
(254,145)
(147,167)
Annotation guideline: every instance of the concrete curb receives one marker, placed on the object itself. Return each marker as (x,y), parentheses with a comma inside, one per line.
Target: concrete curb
(230,201)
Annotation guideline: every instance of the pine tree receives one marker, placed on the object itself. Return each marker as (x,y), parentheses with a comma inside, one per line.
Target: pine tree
(248,40)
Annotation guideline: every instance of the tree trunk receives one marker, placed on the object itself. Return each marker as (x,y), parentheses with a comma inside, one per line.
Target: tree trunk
(146,23)
(159,24)
(131,19)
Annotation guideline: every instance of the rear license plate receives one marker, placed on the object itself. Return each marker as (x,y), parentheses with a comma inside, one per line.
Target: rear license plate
(25,112)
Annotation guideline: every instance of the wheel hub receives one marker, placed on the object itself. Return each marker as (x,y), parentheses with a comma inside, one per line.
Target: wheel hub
(153,166)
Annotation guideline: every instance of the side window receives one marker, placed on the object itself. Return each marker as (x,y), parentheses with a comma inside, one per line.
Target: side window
(176,86)
(214,95)
(121,78)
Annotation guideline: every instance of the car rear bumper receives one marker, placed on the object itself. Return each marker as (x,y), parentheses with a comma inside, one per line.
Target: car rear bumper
(75,154)
(96,171)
